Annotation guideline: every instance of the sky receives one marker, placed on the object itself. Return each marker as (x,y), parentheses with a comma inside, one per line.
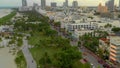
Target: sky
(7,3)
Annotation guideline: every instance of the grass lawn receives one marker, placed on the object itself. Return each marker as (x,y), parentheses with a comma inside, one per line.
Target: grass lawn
(20,60)
(37,36)
(80,65)
(38,52)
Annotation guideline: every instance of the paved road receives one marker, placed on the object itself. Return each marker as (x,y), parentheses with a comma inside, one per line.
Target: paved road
(90,58)
(29,59)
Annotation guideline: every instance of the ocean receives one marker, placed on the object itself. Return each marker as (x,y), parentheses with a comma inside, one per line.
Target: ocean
(4,12)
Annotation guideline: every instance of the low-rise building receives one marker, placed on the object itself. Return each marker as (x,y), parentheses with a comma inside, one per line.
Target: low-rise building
(79,25)
(78,33)
(104,44)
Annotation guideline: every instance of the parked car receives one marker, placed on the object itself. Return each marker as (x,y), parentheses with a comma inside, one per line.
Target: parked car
(106,66)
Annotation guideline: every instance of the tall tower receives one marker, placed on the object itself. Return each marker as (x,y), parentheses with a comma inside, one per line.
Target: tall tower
(119,3)
(110,5)
(66,3)
(24,3)
(75,4)
(43,4)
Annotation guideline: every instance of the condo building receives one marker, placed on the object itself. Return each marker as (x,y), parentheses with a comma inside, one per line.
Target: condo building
(115,49)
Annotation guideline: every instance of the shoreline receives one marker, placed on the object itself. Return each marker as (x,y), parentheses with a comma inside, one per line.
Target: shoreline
(4,12)
(6,58)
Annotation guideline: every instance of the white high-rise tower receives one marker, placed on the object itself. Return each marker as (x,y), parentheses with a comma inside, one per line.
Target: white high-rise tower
(66,3)
(43,4)
(24,3)
(119,3)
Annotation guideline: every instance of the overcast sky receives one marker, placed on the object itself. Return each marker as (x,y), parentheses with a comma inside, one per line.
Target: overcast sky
(59,2)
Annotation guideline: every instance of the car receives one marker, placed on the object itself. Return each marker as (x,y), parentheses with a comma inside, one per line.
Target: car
(100,61)
(85,60)
(92,65)
(106,66)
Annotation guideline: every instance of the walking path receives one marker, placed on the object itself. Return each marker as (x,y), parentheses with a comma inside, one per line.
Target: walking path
(29,59)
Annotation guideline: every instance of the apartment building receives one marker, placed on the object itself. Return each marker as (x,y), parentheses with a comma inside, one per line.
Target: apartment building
(81,25)
(115,49)
(78,33)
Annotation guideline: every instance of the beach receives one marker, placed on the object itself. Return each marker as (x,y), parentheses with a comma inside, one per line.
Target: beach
(6,58)
(4,12)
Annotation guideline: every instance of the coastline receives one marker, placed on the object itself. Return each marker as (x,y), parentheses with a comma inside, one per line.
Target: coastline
(5,12)
(7,60)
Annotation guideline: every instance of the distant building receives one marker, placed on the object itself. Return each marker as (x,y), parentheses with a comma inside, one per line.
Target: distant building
(78,33)
(115,49)
(102,9)
(35,6)
(110,5)
(119,3)
(65,4)
(25,8)
(24,3)
(75,4)
(43,4)
(53,4)
(81,26)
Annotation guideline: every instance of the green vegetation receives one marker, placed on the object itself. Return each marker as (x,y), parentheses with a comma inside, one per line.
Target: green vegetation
(116,29)
(97,13)
(20,60)
(19,42)
(91,41)
(108,26)
(7,18)
(119,16)
(91,17)
(0,39)
(80,65)
(49,50)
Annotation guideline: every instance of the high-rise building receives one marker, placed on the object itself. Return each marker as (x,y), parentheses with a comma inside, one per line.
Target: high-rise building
(110,5)
(75,4)
(43,4)
(53,4)
(66,3)
(119,3)
(102,9)
(24,3)
(63,4)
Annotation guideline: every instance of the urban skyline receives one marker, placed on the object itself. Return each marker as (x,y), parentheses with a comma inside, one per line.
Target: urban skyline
(17,3)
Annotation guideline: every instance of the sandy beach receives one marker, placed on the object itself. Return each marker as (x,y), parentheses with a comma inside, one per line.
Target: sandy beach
(6,59)
(4,12)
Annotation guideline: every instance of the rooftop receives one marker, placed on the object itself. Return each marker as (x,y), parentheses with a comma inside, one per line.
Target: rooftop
(115,40)
(105,40)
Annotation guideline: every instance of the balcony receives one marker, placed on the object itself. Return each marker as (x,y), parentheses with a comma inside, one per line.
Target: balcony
(112,54)
(113,51)
(112,58)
